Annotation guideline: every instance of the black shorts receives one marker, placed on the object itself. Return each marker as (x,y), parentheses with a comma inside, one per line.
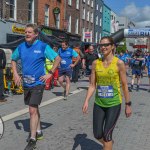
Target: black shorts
(65,72)
(33,95)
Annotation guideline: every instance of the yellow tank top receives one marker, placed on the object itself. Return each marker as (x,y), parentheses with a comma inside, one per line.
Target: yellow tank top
(108,92)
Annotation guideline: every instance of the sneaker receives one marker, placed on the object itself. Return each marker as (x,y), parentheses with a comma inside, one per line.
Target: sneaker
(39,136)
(31,145)
(65,97)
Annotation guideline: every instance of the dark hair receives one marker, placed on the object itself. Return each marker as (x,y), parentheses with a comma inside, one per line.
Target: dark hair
(33,26)
(110,39)
(65,41)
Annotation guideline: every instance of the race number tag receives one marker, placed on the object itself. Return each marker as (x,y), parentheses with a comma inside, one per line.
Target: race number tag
(105,91)
(29,79)
(63,62)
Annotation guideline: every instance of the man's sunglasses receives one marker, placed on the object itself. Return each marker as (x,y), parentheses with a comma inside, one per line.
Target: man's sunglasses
(105,45)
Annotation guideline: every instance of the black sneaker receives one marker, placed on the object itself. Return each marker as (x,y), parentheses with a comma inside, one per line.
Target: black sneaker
(31,145)
(39,136)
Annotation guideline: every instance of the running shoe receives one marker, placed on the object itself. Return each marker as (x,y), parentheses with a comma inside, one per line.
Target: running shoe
(39,136)
(31,145)
(65,97)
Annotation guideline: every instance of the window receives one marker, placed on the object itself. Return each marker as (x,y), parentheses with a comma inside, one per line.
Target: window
(77,26)
(46,20)
(83,32)
(101,9)
(83,14)
(100,22)
(88,2)
(84,1)
(77,4)
(96,37)
(70,2)
(92,3)
(31,11)
(100,35)
(13,9)
(97,7)
(88,16)
(58,21)
(96,20)
(91,17)
(69,24)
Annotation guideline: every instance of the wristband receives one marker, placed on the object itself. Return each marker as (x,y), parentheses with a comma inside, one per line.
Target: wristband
(129,103)
(50,72)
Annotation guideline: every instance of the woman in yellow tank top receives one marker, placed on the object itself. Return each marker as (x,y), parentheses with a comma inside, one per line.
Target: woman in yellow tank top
(106,75)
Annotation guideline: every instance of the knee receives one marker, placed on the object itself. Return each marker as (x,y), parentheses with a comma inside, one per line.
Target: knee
(33,111)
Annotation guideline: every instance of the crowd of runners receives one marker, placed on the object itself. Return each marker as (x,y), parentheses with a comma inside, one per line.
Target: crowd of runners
(106,71)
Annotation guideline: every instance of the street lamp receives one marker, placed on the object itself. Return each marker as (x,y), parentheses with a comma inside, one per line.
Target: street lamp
(56,12)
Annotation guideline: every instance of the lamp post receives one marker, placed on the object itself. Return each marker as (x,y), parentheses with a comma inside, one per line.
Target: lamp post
(56,12)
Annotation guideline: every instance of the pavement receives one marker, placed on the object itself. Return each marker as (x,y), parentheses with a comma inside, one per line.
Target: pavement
(66,128)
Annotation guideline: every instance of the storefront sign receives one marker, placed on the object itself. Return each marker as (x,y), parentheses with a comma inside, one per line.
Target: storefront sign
(136,32)
(20,30)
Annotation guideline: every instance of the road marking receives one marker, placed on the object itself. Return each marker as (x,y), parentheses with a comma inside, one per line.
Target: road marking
(26,110)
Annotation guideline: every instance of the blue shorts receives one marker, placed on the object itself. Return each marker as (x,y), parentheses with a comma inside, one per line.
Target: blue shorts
(136,72)
(65,72)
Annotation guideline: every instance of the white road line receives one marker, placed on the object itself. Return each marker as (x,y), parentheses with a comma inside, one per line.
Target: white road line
(26,110)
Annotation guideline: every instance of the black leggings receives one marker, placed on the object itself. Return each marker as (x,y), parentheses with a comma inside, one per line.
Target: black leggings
(104,121)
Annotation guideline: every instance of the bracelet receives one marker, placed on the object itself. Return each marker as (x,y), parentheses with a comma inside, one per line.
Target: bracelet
(129,103)
(50,72)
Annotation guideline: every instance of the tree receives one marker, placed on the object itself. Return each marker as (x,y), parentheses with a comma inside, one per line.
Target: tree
(122,48)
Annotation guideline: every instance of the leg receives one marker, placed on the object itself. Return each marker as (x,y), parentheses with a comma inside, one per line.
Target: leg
(98,122)
(34,120)
(112,115)
(61,81)
(67,85)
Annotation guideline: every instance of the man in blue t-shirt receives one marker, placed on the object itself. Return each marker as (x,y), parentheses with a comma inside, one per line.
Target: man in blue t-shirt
(65,70)
(148,69)
(32,54)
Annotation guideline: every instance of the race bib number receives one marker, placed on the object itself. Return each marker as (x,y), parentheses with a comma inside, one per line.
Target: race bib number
(105,91)
(137,62)
(63,62)
(29,79)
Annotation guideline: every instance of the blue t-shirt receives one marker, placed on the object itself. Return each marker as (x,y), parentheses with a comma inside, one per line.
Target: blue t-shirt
(148,64)
(32,60)
(66,57)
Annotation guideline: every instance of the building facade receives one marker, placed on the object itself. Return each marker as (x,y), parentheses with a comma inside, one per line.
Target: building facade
(98,20)
(87,20)
(106,20)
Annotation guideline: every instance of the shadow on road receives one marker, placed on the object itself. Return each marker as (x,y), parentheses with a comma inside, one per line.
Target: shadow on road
(85,143)
(58,93)
(25,125)
(85,88)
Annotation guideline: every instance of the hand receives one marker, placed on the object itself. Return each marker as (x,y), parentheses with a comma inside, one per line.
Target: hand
(72,65)
(128,111)
(45,77)
(17,79)
(83,66)
(85,107)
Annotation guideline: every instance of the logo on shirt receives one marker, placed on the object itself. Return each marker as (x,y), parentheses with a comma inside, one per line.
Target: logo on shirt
(37,51)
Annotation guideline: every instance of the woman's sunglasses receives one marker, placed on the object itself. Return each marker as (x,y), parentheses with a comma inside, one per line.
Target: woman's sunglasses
(105,45)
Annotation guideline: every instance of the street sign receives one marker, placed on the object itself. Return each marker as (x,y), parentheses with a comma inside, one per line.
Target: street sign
(87,35)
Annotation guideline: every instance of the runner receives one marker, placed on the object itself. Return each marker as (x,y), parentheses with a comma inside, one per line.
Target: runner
(136,65)
(88,59)
(32,54)
(66,66)
(105,78)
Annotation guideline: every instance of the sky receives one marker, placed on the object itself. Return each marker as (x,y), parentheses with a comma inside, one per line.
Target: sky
(137,11)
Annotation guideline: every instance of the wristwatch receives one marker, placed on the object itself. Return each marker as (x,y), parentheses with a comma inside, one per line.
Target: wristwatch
(129,103)
(50,72)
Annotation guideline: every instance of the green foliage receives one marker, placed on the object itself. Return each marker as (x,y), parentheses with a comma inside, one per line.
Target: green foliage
(122,48)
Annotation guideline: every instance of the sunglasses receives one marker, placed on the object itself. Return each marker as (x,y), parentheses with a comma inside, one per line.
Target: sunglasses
(105,45)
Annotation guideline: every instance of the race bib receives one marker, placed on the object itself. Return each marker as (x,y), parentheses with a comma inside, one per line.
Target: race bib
(29,79)
(63,62)
(105,91)
(137,62)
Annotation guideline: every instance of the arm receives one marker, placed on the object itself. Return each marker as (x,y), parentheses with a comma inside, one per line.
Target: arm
(91,88)
(122,73)
(77,60)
